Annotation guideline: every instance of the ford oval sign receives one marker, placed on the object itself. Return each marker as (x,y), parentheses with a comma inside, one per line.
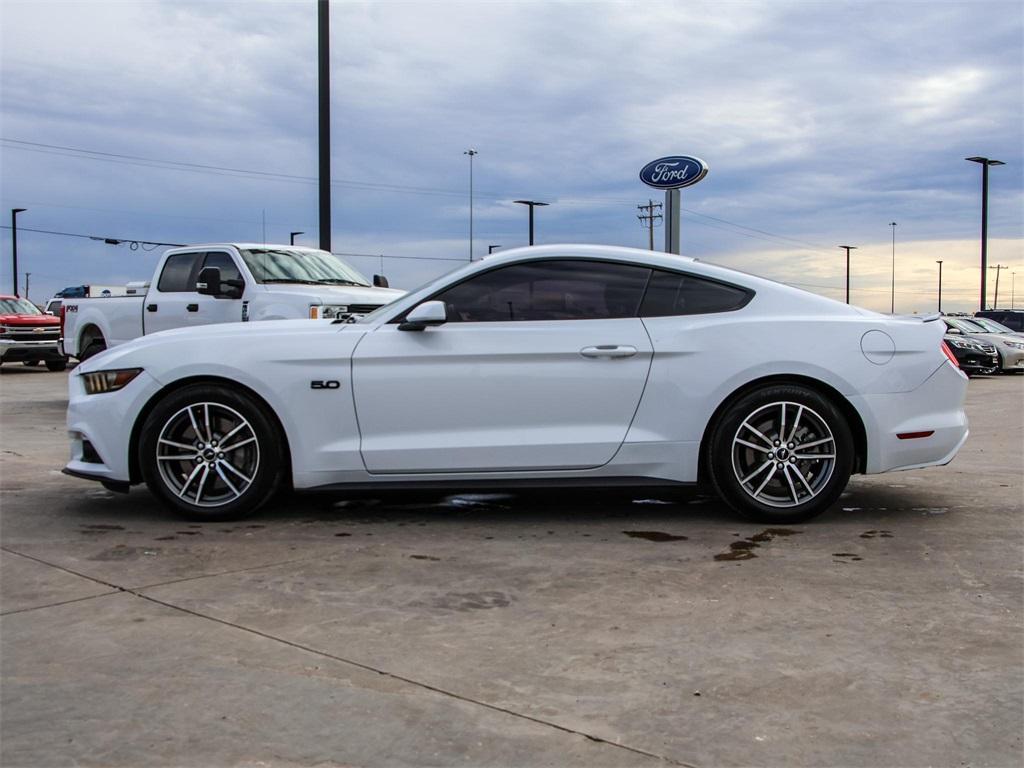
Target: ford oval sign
(673,172)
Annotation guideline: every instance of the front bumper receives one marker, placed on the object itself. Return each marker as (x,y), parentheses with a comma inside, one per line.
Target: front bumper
(18,351)
(935,408)
(1012,359)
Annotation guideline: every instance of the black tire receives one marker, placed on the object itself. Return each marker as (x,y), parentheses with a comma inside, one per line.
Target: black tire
(57,365)
(30,363)
(811,485)
(93,348)
(199,417)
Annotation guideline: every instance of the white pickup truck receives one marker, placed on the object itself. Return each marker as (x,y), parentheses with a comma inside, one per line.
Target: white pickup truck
(223,283)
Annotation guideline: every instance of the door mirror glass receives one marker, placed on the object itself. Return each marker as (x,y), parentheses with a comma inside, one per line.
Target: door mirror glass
(427,313)
(380,281)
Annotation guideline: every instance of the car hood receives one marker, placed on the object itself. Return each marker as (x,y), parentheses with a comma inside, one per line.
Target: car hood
(29,320)
(337,294)
(207,338)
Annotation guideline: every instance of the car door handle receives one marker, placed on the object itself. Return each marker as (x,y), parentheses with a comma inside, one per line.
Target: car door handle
(192,307)
(608,350)
(151,307)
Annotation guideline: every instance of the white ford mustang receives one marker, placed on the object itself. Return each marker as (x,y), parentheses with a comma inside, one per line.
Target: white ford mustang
(547,366)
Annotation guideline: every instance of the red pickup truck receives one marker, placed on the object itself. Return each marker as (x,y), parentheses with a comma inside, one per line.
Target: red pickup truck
(28,335)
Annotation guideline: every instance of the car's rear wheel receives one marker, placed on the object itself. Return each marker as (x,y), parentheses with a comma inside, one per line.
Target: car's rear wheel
(211,453)
(781,454)
(92,348)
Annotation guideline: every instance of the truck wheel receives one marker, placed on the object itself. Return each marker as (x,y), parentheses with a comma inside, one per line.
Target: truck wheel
(211,453)
(30,363)
(94,348)
(781,454)
(57,365)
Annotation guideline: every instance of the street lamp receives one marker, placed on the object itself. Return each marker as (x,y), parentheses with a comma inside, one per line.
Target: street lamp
(530,203)
(1013,283)
(471,153)
(848,249)
(490,249)
(939,262)
(291,237)
(892,300)
(14,244)
(985,163)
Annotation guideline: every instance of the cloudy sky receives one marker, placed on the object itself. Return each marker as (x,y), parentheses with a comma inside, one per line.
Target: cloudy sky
(822,122)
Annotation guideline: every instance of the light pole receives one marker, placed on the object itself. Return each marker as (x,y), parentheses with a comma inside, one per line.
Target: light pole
(531,203)
(27,276)
(14,244)
(490,249)
(1013,284)
(848,249)
(472,153)
(892,300)
(985,163)
(939,262)
(291,237)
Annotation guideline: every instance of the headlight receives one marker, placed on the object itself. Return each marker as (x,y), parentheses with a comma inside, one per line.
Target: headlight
(327,311)
(961,343)
(1015,344)
(108,381)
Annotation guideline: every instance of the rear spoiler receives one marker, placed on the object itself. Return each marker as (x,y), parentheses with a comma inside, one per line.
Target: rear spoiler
(931,318)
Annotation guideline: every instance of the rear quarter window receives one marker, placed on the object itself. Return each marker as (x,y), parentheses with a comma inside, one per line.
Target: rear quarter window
(672,293)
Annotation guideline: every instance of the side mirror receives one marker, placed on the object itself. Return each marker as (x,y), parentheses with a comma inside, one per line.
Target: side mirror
(426,314)
(955,331)
(379,281)
(208,283)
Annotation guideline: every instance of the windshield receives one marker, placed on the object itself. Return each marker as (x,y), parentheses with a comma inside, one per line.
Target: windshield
(966,325)
(287,265)
(18,307)
(991,325)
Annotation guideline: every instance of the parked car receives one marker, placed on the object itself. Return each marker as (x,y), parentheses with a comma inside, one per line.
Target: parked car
(547,366)
(1009,348)
(225,283)
(972,355)
(1011,318)
(28,335)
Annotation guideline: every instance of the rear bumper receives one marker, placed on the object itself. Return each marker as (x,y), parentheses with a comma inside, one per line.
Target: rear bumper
(935,408)
(16,351)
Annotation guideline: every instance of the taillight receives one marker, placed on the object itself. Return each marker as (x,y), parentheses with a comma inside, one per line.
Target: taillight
(949,355)
(62,313)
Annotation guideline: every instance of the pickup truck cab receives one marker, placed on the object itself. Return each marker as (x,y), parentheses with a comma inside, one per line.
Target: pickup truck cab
(28,335)
(223,283)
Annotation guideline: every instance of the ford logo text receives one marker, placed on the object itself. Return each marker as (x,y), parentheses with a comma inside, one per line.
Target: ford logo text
(673,172)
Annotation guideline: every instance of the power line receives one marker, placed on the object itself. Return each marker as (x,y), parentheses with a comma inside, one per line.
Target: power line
(219,170)
(134,243)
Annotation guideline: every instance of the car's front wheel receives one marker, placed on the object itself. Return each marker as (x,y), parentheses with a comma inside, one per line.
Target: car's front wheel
(211,453)
(781,454)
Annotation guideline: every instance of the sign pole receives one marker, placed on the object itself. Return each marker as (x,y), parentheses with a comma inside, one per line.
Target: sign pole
(672,210)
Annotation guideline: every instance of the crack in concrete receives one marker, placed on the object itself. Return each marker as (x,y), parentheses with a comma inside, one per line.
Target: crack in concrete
(135,592)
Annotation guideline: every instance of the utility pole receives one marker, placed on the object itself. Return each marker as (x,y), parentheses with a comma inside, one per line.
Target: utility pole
(14,246)
(939,262)
(998,268)
(27,276)
(848,248)
(648,219)
(1013,285)
(892,301)
(472,153)
(324,87)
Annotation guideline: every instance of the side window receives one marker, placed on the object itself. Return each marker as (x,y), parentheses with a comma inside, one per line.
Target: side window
(223,261)
(175,276)
(670,293)
(548,290)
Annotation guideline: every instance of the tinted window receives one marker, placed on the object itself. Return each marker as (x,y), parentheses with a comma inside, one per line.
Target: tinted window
(670,293)
(175,276)
(224,262)
(548,290)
